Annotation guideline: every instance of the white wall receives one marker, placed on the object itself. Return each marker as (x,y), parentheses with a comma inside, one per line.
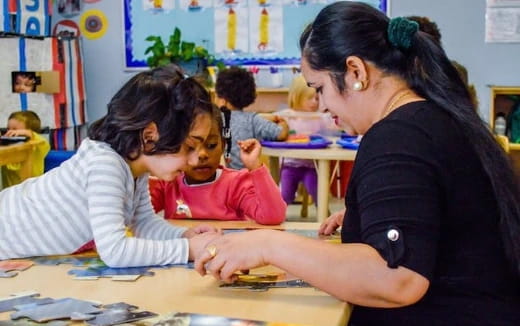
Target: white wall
(461,22)
(462,25)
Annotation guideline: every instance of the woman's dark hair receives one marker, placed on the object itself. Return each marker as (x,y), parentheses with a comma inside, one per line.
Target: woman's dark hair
(237,86)
(345,29)
(162,95)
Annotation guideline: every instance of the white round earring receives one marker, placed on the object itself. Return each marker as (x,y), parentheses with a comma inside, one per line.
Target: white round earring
(357,86)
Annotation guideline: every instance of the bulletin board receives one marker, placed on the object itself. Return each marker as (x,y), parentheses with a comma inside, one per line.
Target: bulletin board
(202,22)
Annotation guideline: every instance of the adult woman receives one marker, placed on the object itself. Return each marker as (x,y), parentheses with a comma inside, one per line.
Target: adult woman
(426,239)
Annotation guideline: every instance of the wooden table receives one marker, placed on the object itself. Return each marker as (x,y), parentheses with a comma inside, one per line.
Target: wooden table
(184,290)
(323,157)
(19,153)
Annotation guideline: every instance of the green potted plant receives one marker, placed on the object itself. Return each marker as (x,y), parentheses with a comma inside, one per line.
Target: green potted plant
(193,58)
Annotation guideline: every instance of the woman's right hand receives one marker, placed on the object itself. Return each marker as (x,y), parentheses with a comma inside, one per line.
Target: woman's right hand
(332,223)
(198,243)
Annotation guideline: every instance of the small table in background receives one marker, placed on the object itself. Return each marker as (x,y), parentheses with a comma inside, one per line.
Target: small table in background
(322,156)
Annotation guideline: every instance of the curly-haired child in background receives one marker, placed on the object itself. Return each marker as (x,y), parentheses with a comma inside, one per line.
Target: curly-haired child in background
(209,191)
(27,124)
(236,89)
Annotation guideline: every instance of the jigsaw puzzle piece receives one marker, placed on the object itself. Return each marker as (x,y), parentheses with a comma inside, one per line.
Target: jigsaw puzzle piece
(108,272)
(10,302)
(115,317)
(59,309)
(27,322)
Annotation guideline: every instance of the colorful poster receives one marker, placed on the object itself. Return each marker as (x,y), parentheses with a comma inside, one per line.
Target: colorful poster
(33,17)
(231,30)
(195,5)
(265,28)
(158,6)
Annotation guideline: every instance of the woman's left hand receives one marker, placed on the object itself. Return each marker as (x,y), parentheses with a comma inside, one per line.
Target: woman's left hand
(201,228)
(234,252)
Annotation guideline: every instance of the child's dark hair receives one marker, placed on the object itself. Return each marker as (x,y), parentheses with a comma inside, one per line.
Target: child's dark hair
(237,86)
(29,118)
(162,95)
(346,28)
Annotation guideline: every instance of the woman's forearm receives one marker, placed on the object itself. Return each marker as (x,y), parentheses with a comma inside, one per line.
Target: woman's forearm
(351,272)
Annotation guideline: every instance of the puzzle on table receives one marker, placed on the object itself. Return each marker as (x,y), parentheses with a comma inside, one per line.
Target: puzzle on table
(30,309)
(10,268)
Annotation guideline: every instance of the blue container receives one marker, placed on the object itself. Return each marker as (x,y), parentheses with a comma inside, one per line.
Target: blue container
(55,158)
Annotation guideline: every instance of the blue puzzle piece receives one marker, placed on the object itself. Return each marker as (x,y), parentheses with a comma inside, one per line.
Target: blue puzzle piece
(59,309)
(107,271)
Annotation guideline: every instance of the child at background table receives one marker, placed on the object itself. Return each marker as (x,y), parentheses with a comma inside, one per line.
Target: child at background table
(235,89)
(302,100)
(27,124)
(208,190)
(155,124)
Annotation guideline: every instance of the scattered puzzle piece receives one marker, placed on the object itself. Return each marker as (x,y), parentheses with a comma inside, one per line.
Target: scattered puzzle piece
(59,309)
(111,272)
(264,286)
(8,267)
(9,303)
(28,322)
(114,317)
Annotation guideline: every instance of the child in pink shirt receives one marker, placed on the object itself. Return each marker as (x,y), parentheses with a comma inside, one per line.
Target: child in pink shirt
(211,191)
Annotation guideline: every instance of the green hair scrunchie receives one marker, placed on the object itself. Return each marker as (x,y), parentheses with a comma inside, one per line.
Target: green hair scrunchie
(401,31)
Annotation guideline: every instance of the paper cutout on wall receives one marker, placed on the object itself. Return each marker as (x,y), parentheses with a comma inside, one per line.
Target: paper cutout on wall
(69,8)
(61,110)
(266,28)
(66,27)
(33,17)
(231,30)
(5,18)
(93,24)
(158,6)
(35,81)
(195,5)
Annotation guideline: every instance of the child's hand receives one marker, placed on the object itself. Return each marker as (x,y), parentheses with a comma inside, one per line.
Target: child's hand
(199,229)
(332,223)
(18,132)
(250,150)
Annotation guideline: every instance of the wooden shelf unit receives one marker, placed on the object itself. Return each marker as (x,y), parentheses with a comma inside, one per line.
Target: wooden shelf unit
(267,99)
(502,103)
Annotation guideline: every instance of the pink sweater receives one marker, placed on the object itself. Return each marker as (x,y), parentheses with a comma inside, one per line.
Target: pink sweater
(235,195)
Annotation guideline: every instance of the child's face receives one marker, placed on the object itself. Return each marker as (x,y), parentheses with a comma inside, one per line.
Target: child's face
(14,124)
(23,84)
(168,166)
(209,156)
(309,101)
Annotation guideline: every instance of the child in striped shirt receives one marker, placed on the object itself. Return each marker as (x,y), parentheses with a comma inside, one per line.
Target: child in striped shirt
(155,124)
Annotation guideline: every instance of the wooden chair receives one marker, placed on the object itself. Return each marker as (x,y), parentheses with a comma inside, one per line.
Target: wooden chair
(504,142)
(306,200)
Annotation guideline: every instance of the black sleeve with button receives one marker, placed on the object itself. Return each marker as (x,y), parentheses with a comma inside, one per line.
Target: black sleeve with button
(393,198)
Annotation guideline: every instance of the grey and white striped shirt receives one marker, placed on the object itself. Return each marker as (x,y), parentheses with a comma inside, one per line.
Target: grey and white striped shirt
(90,196)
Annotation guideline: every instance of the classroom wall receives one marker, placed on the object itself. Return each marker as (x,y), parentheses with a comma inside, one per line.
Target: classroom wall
(461,23)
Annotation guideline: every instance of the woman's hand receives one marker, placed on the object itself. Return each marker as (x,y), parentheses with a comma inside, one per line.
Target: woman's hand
(198,243)
(250,150)
(332,223)
(199,229)
(234,252)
